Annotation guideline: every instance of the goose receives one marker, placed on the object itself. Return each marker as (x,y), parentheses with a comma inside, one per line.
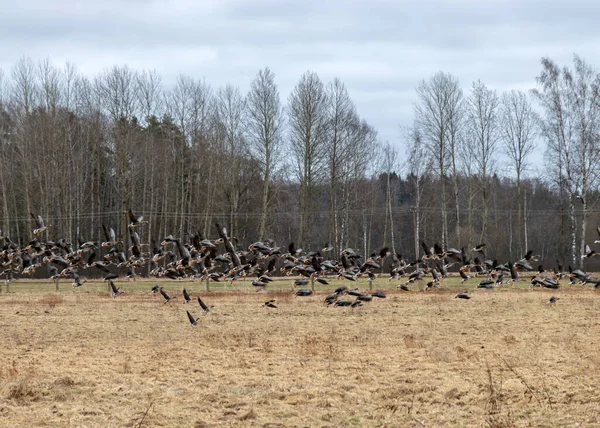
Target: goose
(115,291)
(462,295)
(270,304)
(39,221)
(205,309)
(553,300)
(487,283)
(463,275)
(304,292)
(193,321)
(340,290)
(588,252)
(597,241)
(77,282)
(479,249)
(135,220)
(109,236)
(165,295)
(186,297)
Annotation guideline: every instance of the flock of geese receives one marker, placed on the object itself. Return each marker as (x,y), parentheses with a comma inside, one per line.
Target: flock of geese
(218,260)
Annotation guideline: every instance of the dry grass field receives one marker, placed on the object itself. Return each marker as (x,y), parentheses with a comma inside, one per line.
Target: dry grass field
(502,358)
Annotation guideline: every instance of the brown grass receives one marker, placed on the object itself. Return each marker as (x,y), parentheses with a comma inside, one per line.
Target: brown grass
(504,358)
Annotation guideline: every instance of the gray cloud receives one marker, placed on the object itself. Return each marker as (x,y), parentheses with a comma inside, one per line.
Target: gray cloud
(380,49)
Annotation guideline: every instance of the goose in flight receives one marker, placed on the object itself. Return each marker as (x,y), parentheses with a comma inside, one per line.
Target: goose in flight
(205,309)
(479,249)
(77,282)
(165,295)
(135,220)
(589,252)
(193,321)
(115,291)
(39,221)
(109,236)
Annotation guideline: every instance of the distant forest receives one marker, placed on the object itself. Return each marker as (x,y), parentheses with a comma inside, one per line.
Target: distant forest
(80,151)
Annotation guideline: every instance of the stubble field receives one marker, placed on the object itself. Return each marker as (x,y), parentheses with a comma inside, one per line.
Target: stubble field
(503,358)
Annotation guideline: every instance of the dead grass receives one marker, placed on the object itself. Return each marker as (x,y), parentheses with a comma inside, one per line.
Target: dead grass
(504,358)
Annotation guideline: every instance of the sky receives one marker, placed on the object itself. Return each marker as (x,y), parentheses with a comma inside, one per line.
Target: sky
(380,49)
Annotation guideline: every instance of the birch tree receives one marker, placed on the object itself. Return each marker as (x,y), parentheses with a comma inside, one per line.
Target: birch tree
(437,110)
(483,138)
(308,121)
(265,127)
(570,128)
(518,133)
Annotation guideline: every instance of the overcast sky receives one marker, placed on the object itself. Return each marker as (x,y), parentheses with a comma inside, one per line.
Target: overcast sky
(381,49)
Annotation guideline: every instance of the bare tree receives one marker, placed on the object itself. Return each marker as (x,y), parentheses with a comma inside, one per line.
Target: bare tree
(148,93)
(308,121)
(231,112)
(570,127)
(265,127)
(342,115)
(418,166)
(24,90)
(440,101)
(518,133)
(483,138)
(116,90)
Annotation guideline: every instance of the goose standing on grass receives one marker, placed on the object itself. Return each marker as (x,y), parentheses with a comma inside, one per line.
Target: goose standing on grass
(462,295)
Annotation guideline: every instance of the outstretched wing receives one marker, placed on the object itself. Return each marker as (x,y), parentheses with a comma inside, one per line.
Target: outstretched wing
(39,221)
(202,304)
(106,233)
(191,318)
(132,217)
(425,248)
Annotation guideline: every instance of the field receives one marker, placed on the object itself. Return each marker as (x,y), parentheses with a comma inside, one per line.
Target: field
(503,358)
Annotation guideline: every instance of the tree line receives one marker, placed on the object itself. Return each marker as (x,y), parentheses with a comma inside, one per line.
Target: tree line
(82,150)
